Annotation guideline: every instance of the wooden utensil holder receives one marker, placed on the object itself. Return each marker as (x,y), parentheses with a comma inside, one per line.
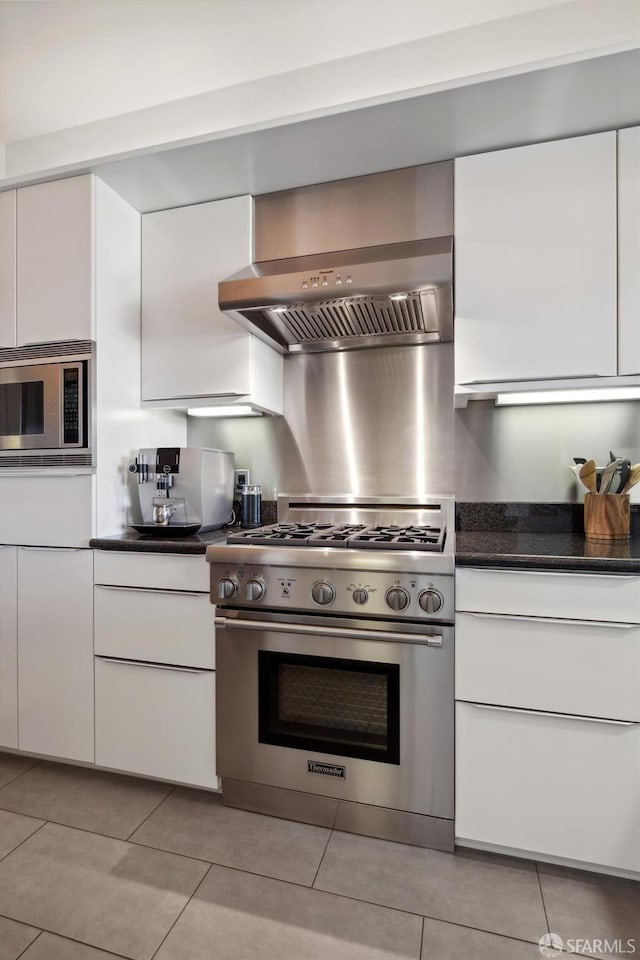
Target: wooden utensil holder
(607,516)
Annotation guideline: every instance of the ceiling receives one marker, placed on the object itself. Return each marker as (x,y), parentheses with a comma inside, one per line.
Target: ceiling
(102,58)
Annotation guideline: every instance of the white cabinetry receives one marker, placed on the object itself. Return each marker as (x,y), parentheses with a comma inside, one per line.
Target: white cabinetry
(55,254)
(190,350)
(535,231)
(8,269)
(155,659)
(548,715)
(47,510)
(55,652)
(8,647)
(629,250)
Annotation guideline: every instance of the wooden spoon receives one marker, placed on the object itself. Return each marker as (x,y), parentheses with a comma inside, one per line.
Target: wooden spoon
(588,475)
(634,477)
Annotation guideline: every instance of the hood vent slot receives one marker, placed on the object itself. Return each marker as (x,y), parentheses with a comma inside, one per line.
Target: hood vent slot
(358,317)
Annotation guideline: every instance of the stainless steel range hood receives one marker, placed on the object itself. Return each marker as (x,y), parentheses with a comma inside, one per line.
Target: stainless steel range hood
(373,294)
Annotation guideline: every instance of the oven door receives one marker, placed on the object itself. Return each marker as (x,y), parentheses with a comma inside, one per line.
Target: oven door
(30,407)
(349,709)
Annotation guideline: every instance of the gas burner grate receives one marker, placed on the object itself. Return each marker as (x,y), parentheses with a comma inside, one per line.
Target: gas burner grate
(279,534)
(335,536)
(400,538)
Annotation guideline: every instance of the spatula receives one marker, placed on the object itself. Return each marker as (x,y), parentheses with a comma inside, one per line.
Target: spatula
(588,475)
(634,477)
(608,474)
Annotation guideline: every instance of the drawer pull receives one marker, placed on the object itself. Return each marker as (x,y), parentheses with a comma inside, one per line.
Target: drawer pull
(54,549)
(578,574)
(579,623)
(152,665)
(152,590)
(548,713)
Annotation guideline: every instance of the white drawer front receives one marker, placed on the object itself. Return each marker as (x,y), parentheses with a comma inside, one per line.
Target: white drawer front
(583,667)
(160,571)
(156,721)
(154,625)
(47,511)
(564,787)
(536,593)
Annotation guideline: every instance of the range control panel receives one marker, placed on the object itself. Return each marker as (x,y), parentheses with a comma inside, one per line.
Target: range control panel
(400,596)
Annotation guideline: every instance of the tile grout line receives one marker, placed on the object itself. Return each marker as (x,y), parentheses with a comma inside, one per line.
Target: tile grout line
(162,942)
(544,906)
(17,847)
(62,936)
(315,876)
(150,814)
(18,775)
(421,939)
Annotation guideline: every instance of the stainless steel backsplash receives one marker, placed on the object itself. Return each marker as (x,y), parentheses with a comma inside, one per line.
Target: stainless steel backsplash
(381,422)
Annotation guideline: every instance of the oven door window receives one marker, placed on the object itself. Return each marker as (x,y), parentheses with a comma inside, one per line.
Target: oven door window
(350,708)
(22,409)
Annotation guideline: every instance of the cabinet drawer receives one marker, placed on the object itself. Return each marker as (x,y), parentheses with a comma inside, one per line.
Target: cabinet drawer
(157,721)
(561,786)
(154,625)
(160,571)
(537,593)
(47,511)
(583,667)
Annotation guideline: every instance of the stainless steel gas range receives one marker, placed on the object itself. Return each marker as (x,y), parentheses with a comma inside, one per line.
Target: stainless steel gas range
(335,666)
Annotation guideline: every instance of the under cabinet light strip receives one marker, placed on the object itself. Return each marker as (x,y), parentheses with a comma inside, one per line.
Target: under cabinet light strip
(225,410)
(587,395)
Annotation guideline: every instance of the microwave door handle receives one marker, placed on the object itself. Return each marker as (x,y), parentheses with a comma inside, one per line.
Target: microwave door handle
(429,640)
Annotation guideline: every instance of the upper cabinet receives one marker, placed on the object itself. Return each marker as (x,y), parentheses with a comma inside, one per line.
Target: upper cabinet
(55,255)
(629,250)
(8,269)
(190,350)
(535,261)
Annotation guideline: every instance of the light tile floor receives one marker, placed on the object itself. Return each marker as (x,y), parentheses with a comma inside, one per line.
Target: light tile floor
(96,866)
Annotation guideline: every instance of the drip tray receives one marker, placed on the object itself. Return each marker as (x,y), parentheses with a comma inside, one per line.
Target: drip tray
(171,530)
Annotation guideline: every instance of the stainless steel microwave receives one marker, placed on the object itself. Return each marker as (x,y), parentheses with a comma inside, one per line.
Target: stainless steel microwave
(45,405)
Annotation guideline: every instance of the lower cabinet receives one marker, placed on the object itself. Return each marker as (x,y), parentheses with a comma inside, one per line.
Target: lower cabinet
(55,652)
(8,646)
(155,667)
(156,720)
(564,786)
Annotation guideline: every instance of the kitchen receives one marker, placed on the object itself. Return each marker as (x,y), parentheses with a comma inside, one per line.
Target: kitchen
(146,610)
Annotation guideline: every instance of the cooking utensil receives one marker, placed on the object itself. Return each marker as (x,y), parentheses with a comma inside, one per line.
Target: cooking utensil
(608,474)
(625,473)
(634,477)
(587,475)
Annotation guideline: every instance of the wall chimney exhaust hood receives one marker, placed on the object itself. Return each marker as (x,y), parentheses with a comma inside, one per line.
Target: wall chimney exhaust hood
(355,263)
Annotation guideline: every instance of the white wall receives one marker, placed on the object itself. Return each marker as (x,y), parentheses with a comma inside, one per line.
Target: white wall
(142,83)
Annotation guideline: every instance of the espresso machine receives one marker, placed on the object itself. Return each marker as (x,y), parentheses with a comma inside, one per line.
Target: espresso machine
(181,490)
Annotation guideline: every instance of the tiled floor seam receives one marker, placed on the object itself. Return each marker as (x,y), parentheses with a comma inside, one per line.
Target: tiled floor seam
(29,945)
(544,906)
(161,944)
(157,807)
(18,845)
(421,940)
(62,936)
(21,774)
(315,876)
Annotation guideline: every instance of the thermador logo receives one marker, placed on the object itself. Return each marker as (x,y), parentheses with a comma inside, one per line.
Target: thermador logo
(327,769)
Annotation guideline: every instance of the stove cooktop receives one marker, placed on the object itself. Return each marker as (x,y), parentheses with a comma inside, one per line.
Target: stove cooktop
(352,536)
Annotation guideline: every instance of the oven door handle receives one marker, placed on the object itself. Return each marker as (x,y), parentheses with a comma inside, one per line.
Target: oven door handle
(429,640)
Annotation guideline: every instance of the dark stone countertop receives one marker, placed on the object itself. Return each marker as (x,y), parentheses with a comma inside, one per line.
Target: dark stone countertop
(547,536)
(133,542)
(548,551)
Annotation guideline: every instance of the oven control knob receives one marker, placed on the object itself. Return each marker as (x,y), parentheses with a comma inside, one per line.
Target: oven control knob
(227,588)
(430,600)
(255,589)
(397,598)
(360,595)
(323,593)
